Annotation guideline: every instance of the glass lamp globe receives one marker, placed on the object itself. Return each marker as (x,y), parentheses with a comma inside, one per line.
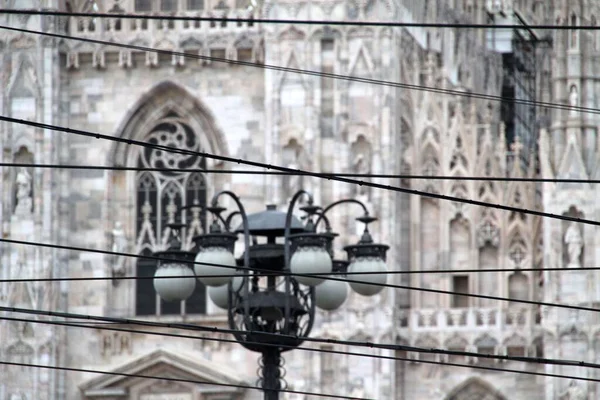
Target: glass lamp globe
(331,294)
(220,294)
(367,284)
(310,260)
(224,265)
(174,281)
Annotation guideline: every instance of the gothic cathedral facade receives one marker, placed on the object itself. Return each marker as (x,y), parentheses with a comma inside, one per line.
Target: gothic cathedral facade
(422,101)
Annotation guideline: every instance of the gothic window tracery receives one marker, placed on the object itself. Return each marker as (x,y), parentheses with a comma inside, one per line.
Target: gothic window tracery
(517,249)
(488,233)
(160,194)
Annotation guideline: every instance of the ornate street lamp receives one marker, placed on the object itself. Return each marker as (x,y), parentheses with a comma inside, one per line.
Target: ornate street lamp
(277,286)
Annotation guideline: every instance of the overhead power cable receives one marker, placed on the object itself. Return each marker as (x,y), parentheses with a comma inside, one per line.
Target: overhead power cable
(258,334)
(316,349)
(263,272)
(168,16)
(267,273)
(563,376)
(333,278)
(325,175)
(474,95)
(169,379)
(294,170)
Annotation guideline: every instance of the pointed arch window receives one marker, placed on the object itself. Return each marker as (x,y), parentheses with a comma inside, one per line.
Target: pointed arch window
(161,192)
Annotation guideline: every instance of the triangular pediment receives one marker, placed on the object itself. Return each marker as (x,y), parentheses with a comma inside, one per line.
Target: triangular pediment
(572,165)
(362,64)
(183,376)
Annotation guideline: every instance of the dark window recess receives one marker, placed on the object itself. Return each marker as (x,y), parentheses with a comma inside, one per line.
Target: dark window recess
(168,5)
(488,350)
(164,58)
(195,5)
(515,351)
(196,304)
(244,54)
(519,83)
(170,307)
(460,284)
(144,289)
(143,5)
(217,53)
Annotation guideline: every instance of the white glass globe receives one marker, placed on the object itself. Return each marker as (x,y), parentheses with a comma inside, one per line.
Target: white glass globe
(219,294)
(174,289)
(370,284)
(331,294)
(310,260)
(214,255)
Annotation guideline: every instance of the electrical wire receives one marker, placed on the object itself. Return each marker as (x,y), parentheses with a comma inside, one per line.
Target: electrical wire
(171,17)
(267,273)
(563,376)
(340,342)
(474,95)
(323,350)
(325,175)
(333,278)
(170,379)
(294,170)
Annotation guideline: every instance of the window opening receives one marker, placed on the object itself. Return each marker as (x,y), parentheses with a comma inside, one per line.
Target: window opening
(159,196)
(460,284)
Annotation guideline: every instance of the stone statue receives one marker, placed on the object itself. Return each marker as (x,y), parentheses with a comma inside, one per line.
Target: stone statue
(573,100)
(574,392)
(23,186)
(119,245)
(574,243)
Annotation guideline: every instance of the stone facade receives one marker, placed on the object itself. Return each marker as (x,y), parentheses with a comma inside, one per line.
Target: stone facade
(314,123)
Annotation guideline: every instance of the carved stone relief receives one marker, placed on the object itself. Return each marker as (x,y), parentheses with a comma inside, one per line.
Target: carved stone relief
(23,193)
(574,245)
(115,344)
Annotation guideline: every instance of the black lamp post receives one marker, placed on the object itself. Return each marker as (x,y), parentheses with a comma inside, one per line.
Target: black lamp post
(277,285)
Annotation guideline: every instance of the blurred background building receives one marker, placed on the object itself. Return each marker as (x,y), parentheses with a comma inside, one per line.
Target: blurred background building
(319,124)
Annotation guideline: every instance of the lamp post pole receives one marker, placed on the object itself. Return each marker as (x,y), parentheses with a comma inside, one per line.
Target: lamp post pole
(276,287)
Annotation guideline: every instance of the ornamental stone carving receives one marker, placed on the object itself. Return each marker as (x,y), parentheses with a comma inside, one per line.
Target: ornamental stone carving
(574,243)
